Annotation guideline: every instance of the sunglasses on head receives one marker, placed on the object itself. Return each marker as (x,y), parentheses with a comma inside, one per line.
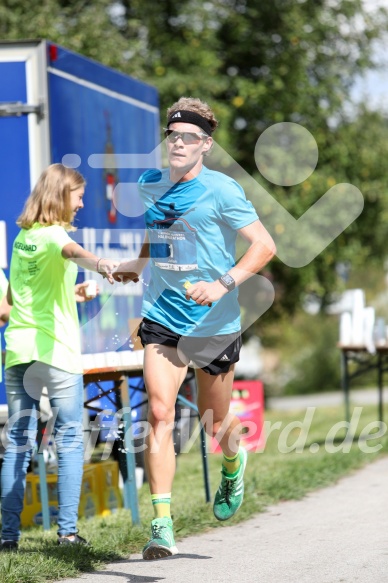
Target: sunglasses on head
(187,137)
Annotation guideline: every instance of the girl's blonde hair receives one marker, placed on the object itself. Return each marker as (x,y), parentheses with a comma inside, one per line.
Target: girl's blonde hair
(49,202)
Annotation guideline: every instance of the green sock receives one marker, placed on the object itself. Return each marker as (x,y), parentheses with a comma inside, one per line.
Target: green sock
(231,464)
(161,504)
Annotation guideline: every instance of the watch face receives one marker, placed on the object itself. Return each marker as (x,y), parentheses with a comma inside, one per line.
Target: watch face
(227,279)
(228,282)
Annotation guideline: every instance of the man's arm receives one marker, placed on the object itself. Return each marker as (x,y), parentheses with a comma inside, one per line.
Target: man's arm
(261,250)
(130,270)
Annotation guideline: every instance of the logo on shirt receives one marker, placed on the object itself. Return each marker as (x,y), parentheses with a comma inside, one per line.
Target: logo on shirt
(172,215)
(25,247)
(173,239)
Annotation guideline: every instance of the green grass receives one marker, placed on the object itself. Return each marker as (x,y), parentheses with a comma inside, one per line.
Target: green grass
(271,476)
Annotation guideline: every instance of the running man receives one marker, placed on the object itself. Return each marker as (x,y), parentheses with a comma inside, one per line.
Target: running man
(190,309)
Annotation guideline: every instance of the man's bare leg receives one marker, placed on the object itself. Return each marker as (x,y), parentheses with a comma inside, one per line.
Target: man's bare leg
(214,395)
(163,375)
(215,392)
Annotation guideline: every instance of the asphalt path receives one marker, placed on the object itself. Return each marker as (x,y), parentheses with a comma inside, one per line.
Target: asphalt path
(338,534)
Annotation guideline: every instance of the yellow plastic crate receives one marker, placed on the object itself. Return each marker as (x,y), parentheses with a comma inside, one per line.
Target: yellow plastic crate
(107,474)
(32,511)
(89,502)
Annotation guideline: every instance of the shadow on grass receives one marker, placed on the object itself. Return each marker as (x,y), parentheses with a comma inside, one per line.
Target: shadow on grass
(83,558)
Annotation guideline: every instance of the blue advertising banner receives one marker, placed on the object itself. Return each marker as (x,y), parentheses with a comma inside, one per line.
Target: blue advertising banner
(99,114)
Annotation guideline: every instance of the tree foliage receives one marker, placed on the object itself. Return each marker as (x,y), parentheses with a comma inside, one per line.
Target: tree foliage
(256,63)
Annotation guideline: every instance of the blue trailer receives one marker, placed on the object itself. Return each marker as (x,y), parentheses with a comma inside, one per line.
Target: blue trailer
(58,106)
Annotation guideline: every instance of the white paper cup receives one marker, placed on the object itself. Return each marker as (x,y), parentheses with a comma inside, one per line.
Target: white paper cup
(91,289)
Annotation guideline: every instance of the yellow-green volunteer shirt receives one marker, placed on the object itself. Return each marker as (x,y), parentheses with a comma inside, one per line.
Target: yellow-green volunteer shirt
(43,325)
(3,292)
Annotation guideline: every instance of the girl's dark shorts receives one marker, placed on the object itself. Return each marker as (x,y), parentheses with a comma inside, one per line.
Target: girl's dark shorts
(214,354)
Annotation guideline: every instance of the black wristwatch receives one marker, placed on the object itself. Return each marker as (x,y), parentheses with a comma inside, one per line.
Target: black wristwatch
(227,281)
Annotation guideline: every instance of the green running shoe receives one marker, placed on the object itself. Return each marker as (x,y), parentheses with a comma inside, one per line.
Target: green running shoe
(162,543)
(230,494)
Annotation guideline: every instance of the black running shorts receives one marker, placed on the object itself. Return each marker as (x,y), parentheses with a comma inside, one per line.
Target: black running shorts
(213,355)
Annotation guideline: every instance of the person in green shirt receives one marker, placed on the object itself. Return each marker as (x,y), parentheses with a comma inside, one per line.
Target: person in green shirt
(43,347)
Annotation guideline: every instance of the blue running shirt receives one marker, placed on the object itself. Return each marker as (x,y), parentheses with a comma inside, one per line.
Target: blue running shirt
(192,228)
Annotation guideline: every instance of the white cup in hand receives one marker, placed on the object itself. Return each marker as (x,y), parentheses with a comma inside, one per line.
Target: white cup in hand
(91,288)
